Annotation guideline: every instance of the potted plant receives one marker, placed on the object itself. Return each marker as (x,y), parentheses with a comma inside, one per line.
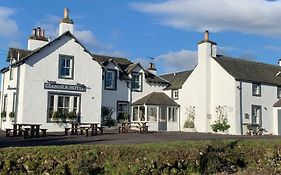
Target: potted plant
(12,115)
(3,114)
(190,117)
(71,115)
(221,125)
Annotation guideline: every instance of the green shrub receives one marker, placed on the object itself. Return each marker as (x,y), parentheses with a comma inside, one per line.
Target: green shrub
(3,114)
(188,124)
(220,126)
(11,114)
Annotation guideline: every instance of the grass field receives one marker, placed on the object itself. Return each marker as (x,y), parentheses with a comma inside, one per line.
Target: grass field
(189,157)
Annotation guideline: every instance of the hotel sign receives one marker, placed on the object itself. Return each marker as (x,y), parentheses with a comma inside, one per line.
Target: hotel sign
(65,87)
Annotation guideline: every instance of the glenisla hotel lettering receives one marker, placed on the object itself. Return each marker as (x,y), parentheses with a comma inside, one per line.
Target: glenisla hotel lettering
(65,87)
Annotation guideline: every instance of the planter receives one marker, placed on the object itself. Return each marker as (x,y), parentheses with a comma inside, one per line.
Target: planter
(188,130)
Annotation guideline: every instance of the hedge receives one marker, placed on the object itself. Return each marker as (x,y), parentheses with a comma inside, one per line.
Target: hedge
(191,157)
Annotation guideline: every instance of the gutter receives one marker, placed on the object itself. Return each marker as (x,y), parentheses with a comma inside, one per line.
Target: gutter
(241,111)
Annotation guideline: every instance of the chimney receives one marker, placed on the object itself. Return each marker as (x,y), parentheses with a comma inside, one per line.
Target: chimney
(279,62)
(66,24)
(152,68)
(37,39)
(206,48)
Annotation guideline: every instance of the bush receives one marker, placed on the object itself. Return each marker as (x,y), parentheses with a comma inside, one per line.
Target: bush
(11,114)
(220,126)
(3,114)
(192,157)
(188,124)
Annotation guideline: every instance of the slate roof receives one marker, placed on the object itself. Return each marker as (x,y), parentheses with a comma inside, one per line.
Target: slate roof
(177,79)
(15,52)
(277,104)
(156,98)
(127,67)
(251,71)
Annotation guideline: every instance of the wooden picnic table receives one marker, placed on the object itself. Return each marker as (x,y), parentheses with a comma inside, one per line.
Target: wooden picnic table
(75,126)
(34,129)
(125,126)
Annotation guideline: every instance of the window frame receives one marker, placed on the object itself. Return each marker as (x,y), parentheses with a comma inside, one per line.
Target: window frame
(278,90)
(254,90)
(55,102)
(260,114)
(173,94)
(140,82)
(71,71)
(115,79)
(118,112)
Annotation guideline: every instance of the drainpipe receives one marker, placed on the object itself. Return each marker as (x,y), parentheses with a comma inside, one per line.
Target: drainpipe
(241,111)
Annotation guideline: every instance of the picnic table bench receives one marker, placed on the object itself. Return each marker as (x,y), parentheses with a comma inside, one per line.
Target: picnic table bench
(84,127)
(26,130)
(141,125)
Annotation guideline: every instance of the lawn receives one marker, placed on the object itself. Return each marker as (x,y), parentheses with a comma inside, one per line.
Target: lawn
(184,157)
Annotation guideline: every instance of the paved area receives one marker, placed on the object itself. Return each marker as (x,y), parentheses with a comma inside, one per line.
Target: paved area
(113,137)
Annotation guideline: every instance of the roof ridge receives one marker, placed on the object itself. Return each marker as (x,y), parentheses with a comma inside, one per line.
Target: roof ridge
(109,56)
(245,60)
(177,72)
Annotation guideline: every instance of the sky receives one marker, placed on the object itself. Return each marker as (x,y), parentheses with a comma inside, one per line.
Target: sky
(166,30)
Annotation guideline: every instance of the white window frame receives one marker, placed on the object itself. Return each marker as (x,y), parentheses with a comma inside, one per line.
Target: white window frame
(152,118)
(72,107)
(172,114)
(113,80)
(175,94)
(257,114)
(256,89)
(63,65)
(278,91)
(139,82)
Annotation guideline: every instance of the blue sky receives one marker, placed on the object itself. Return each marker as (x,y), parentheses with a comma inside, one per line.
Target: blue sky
(167,30)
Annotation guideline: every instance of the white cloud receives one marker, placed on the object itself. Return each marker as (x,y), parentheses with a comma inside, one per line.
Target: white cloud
(8,27)
(177,61)
(86,36)
(247,16)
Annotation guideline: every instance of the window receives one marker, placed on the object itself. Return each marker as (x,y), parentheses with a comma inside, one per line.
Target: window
(175,94)
(4,110)
(172,114)
(152,113)
(110,79)
(60,106)
(135,113)
(256,115)
(11,73)
(137,82)
(66,66)
(256,89)
(14,102)
(163,114)
(138,113)
(122,111)
(279,92)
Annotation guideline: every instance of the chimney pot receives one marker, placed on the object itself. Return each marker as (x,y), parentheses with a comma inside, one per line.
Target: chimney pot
(66,12)
(39,31)
(34,32)
(206,35)
(279,62)
(42,33)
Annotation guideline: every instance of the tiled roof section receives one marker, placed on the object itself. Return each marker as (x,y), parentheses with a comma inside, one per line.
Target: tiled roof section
(15,53)
(277,104)
(251,71)
(176,79)
(156,98)
(155,79)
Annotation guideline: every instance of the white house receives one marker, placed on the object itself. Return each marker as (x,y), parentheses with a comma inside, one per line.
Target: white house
(48,78)
(244,91)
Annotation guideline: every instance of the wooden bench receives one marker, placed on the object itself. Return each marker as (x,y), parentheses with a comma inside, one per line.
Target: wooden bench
(44,132)
(143,129)
(86,129)
(8,131)
(101,128)
(66,130)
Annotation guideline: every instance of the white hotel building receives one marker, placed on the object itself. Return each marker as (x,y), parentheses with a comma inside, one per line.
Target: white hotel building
(63,76)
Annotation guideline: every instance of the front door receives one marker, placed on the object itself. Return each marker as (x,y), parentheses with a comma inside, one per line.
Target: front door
(279,121)
(162,121)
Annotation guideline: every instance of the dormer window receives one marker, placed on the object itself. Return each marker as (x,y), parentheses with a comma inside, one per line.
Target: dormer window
(66,67)
(136,81)
(110,79)
(11,73)
(256,89)
(175,94)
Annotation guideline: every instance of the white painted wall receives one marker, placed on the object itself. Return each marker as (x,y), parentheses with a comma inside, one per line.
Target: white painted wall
(110,97)
(34,44)
(64,27)
(147,87)
(42,67)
